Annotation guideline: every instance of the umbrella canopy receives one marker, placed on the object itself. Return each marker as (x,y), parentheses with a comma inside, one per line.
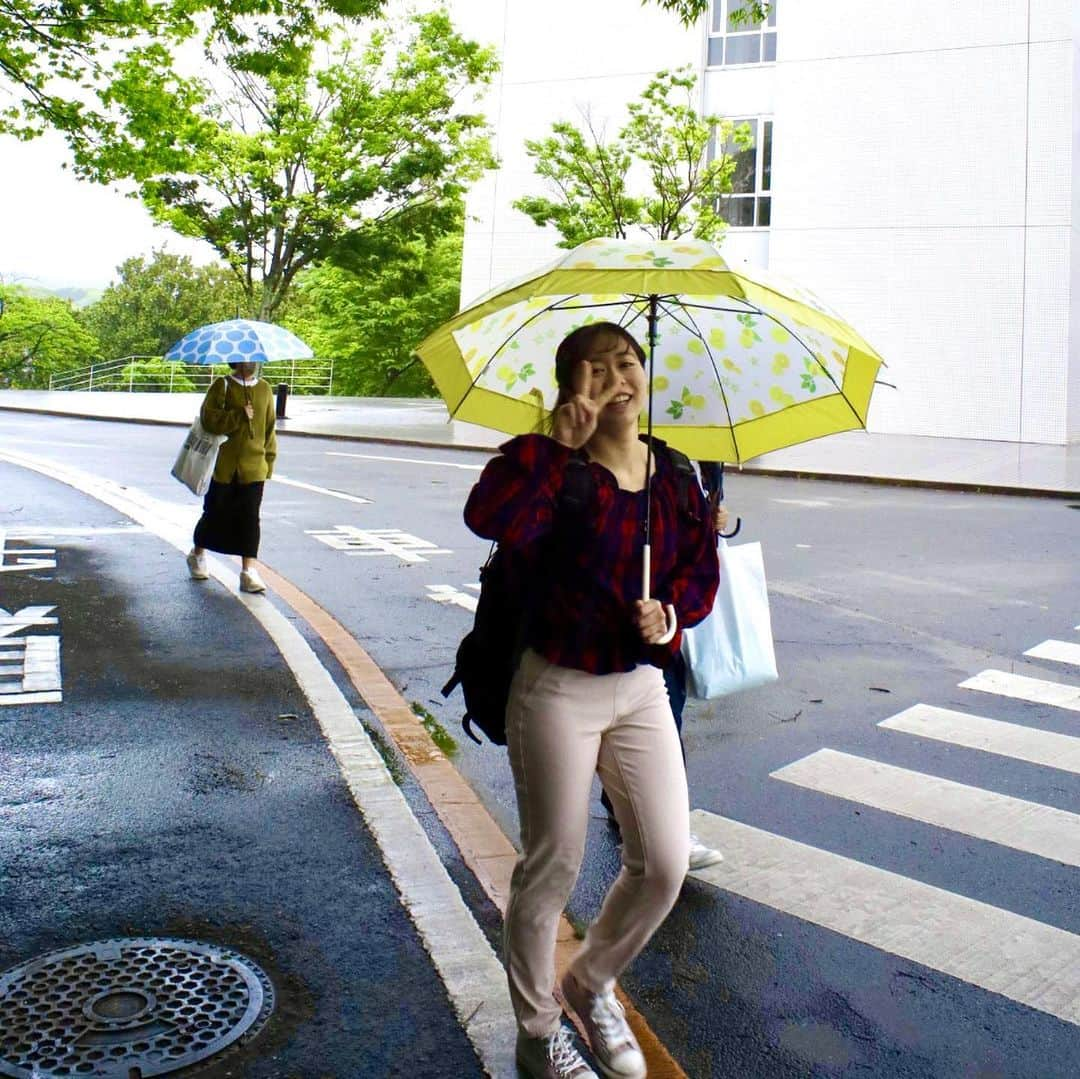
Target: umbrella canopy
(741,361)
(239,340)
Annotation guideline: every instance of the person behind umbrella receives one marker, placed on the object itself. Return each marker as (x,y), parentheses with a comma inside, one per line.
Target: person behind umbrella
(242,407)
(675,673)
(588,695)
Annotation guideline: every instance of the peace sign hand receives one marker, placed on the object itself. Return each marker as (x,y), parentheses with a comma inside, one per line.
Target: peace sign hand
(574,421)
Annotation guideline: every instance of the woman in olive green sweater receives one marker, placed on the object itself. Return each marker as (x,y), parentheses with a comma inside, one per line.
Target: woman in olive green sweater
(241,407)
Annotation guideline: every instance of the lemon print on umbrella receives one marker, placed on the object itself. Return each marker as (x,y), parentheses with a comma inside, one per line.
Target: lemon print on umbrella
(748,334)
(717,339)
(780,363)
(660,383)
(509,377)
(732,366)
(685,400)
(781,396)
(779,335)
(809,376)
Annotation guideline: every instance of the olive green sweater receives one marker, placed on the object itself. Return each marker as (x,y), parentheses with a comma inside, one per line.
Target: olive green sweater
(248,454)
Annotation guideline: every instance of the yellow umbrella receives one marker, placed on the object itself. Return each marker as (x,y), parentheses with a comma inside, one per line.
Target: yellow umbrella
(741,363)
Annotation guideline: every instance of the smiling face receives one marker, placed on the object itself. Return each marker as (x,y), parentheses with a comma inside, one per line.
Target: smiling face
(614,359)
(614,364)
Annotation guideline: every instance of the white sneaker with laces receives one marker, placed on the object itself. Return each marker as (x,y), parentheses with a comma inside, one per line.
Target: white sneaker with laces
(552,1057)
(196,564)
(610,1038)
(701,856)
(250,581)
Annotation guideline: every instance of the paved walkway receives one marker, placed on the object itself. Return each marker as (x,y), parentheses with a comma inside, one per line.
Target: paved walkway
(955,463)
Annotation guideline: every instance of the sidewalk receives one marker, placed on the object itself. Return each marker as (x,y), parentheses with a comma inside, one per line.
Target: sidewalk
(911,460)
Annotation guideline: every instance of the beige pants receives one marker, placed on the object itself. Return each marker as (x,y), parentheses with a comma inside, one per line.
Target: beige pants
(562,727)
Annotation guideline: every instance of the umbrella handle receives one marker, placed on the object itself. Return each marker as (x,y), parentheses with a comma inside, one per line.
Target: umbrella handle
(669,610)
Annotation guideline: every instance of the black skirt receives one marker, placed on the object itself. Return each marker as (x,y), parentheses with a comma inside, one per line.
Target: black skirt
(230,519)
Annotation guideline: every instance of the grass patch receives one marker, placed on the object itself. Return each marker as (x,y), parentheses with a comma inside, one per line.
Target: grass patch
(579,925)
(389,757)
(439,734)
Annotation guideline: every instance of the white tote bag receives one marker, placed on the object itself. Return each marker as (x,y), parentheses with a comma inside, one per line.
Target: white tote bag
(733,648)
(194,466)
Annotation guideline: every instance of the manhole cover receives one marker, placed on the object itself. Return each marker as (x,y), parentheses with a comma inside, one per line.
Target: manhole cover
(127,1008)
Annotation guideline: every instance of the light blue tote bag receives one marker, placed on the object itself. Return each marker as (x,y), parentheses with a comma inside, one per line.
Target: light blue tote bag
(733,648)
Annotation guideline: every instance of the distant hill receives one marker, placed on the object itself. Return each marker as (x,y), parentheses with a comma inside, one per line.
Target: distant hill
(80,297)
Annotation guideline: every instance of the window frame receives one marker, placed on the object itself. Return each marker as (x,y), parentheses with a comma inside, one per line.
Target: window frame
(764,144)
(720,14)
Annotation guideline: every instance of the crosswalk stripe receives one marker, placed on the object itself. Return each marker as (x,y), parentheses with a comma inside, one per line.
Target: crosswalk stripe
(999,818)
(1059,651)
(1035,964)
(1036,690)
(1048,748)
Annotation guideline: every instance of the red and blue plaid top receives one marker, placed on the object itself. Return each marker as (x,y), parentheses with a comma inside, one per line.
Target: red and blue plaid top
(585,606)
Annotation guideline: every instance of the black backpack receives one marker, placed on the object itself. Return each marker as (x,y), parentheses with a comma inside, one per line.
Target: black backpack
(489,653)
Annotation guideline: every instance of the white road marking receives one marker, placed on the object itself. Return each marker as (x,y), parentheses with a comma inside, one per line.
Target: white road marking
(1059,651)
(406,460)
(31,698)
(25,618)
(51,442)
(474,978)
(24,559)
(1020,687)
(1047,748)
(447,593)
(359,500)
(808,503)
(1024,960)
(1012,822)
(48,532)
(35,672)
(367,542)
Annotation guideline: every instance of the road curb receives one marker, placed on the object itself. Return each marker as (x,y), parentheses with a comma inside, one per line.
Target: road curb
(957,486)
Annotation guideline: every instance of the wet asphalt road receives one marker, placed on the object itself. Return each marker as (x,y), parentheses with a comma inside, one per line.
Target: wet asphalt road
(183,789)
(881,598)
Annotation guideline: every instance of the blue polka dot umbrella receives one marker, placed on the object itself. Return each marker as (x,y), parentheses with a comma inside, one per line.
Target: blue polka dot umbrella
(240,340)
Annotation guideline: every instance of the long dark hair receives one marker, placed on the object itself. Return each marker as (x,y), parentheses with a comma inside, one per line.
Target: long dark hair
(577,344)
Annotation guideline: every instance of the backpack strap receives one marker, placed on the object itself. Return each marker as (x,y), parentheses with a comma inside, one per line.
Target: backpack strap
(684,476)
(577,487)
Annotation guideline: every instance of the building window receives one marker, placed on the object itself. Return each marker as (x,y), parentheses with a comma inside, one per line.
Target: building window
(750,203)
(736,41)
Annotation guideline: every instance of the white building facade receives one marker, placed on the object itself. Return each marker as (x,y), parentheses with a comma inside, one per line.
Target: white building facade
(913,165)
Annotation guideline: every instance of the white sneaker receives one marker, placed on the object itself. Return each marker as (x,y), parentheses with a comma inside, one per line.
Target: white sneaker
(250,581)
(196,564)
(610,1038)
(701,856)
(553,1057)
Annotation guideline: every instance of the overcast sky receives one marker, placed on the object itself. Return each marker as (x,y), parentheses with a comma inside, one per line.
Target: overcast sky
(56,230)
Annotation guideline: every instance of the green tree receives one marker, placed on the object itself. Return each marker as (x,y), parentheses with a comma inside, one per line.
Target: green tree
(748,12)
(368,316)
(39,337)
(53,51)
(590,178)
(688,159)
(155,301)
(277,172)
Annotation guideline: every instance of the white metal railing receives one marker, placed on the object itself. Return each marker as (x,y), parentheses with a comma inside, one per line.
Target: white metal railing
(151,374)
